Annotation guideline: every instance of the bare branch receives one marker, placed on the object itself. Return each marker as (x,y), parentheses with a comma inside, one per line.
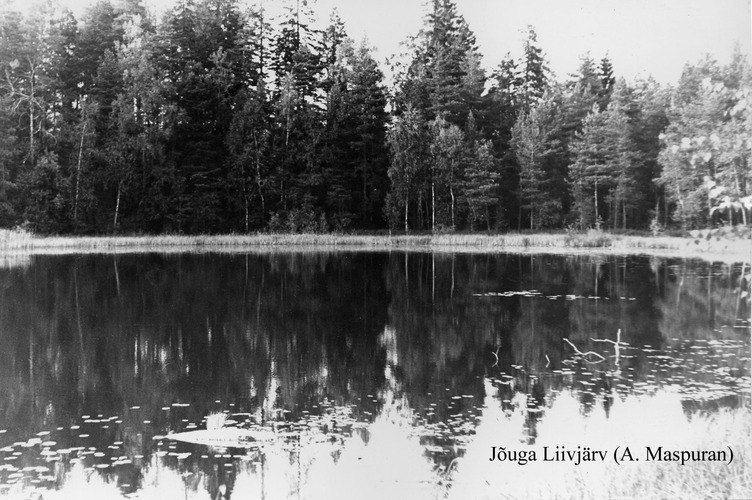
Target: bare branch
(496,355)
(585,354)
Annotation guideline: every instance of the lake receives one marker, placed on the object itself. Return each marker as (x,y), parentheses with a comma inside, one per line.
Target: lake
(343,375)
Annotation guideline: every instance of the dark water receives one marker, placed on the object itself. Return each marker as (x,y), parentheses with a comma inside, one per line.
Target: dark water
(102,356)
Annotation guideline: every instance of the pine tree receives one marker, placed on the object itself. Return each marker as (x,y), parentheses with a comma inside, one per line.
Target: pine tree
(11,109)
(29,80)
(519,86)
(199,52)
(606,73)
(248,141)
(602,170)
(102,30)
(589,168)
(28,74)
(534,71)
(142,115)
(354,150)
(444,77)
(298,97)
(480,186)
(298,50)
(8,154)
(644,107)
(533,142)
(444,83)
(625,196)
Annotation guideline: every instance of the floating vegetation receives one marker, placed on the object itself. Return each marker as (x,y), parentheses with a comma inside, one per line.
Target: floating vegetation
(216,420)
(511,293)
(536,293)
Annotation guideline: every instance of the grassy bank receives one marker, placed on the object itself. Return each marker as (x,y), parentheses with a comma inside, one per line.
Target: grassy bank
(701,245)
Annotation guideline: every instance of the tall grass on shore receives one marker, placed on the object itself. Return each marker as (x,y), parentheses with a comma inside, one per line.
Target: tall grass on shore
(15,239)
(508,242)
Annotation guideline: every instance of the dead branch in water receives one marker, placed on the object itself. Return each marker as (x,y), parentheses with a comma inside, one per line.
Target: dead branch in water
(585,354)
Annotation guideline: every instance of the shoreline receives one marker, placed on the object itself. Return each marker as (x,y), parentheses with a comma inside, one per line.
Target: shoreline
(707,247)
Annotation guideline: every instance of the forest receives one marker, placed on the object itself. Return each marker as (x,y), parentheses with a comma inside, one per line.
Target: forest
(220,118)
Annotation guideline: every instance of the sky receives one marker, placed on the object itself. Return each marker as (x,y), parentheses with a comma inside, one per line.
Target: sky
(642,37)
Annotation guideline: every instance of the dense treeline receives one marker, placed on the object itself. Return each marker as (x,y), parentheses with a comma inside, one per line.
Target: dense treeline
(220,118)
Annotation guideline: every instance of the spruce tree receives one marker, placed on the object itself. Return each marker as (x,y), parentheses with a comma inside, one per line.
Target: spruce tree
(533,140)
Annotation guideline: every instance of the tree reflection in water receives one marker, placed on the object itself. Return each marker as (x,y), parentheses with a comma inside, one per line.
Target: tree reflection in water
(374,370)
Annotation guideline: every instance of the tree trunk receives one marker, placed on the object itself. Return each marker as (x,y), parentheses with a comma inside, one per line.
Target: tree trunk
(451,193)
(117,275)
(532,215)
(407,199)
(433,277)
(710,213)
(245,201)
(78,170)
(31,118)
(597,225)
(117,208)
(421,212)
(364,210)
(738,190)
(259,185)
(433,205)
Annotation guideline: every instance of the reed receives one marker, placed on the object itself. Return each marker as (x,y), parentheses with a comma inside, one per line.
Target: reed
(569,242)
(15,239)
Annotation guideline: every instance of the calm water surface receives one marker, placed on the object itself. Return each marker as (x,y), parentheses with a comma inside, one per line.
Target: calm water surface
(337,360)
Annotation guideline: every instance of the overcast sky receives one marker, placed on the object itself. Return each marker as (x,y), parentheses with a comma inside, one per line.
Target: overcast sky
(642,37)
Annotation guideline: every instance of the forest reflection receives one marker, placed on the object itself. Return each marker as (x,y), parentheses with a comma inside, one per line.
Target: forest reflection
(122,349)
